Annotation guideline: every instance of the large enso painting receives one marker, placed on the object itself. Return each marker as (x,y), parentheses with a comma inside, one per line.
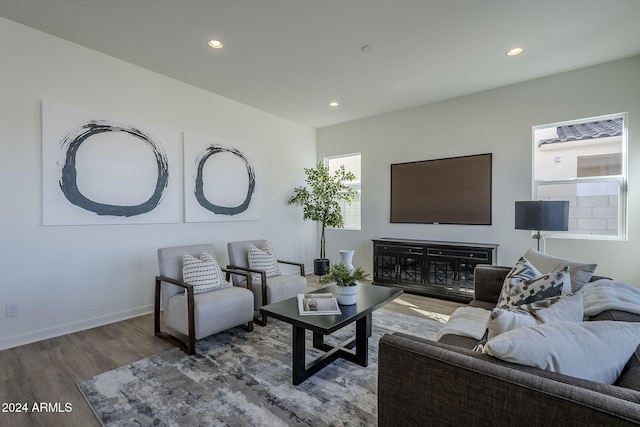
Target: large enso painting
(97,170)
(220,180)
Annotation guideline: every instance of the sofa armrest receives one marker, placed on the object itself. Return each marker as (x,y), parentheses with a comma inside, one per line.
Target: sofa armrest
(487,282)
(423,382)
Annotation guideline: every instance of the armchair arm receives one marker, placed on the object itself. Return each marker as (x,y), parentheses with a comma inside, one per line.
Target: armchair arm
(300,265)
(190,348)
(263,278)
(173,282)
(247,275)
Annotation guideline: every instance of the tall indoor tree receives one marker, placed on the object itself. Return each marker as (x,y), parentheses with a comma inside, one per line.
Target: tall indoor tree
(320,202)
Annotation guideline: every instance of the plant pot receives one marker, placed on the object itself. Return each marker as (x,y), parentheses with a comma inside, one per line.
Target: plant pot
(320,266)
(347,295)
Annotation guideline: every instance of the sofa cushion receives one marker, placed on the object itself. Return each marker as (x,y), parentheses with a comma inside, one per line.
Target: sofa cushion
(263,258)
(524,284)
(203,273)
(580,273)
(596,351)
(556,309)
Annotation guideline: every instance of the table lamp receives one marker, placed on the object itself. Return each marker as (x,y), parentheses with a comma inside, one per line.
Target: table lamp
(543,215)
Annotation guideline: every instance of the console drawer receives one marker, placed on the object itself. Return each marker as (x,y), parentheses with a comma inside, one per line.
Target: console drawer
(458,253)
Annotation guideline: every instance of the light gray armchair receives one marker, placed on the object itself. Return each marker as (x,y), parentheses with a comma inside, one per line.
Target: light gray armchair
(197,315)
(267,290)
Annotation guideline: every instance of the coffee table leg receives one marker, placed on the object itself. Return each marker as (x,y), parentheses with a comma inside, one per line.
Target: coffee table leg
(363,331)
(298,352)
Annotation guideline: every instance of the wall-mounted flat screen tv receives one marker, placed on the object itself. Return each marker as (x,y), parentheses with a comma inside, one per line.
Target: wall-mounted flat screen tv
(455,190)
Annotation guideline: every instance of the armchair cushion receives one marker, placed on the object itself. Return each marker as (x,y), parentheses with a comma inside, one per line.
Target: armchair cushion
(203,273)
(213,311)
(263,259)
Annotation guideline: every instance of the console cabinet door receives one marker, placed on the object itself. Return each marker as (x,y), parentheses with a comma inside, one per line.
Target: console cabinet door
(395,264)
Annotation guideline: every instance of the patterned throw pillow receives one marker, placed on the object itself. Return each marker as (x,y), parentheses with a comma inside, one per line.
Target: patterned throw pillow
(263,259)
(524,285)
(203,273)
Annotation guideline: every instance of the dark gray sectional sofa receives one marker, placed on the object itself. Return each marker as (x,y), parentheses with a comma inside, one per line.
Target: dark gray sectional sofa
(445,383)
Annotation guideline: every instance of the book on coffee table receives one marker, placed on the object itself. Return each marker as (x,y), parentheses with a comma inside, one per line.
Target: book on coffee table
(317,304)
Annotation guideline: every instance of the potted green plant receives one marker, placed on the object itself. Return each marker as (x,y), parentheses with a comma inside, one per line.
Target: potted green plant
(320,202)
(347,280)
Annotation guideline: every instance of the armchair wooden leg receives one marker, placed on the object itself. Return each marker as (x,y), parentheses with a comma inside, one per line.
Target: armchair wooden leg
(248,327)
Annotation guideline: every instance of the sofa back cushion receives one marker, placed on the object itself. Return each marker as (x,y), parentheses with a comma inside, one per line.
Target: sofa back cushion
(630,376)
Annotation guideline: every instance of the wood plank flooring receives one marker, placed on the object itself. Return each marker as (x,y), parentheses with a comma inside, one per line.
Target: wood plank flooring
(47,371)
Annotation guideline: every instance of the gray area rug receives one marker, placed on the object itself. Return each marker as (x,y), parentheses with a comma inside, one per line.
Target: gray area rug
(240,378)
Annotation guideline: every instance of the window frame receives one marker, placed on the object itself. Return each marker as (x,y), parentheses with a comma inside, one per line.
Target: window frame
(622,180)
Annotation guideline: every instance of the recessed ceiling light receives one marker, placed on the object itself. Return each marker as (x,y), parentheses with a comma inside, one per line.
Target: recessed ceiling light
(515,51)
(367,49)
(215,44)
(334,104)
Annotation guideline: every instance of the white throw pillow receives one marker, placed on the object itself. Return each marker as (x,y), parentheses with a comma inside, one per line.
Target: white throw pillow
(596,351)
(567,308)
(524,284)
(580,273)
(263,259)
(203,273)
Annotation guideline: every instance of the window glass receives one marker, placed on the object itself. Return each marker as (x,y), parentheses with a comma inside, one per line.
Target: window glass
(584,162)
(351,162)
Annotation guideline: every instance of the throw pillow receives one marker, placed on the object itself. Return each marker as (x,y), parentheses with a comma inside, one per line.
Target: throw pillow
(595,351)
(263,259)
(524,285)
(566,308)
(203,273)
(580,273)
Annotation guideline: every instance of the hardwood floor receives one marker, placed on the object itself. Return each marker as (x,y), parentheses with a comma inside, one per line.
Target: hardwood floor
(47,371)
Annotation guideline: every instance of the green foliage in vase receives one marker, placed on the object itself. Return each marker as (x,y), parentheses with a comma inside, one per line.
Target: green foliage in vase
(320,199)
(340,274)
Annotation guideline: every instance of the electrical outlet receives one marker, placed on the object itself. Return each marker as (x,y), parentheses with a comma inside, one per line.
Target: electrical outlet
(12,310)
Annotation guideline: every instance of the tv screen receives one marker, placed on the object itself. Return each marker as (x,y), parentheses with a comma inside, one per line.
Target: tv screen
(455,190)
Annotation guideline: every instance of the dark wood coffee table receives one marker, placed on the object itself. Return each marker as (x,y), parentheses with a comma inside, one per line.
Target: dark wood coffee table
(370,298)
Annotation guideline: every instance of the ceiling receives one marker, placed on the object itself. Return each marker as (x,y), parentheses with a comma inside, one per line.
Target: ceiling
(292,57)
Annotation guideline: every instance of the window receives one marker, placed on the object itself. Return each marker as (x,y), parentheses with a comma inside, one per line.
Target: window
(351,162)
(584,161)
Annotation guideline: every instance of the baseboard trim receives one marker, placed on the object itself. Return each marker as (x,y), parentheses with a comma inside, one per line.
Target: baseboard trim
(69,328)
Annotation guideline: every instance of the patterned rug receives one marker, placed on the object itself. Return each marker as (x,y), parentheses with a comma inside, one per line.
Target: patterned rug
(240,378)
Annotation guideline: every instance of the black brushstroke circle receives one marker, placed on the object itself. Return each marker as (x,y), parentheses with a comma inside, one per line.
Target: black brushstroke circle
(199,185)
(69,183)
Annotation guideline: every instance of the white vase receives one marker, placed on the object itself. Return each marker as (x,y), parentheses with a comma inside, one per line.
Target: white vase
(347,258)
(346,295)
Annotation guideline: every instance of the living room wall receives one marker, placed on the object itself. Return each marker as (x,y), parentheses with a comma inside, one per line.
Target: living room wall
(498,121)
(68,278)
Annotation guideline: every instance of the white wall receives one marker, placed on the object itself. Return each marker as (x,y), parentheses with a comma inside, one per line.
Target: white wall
(497,121)
(67,278)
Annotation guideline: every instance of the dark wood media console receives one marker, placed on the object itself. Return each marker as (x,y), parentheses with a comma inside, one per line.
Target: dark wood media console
(431,268)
